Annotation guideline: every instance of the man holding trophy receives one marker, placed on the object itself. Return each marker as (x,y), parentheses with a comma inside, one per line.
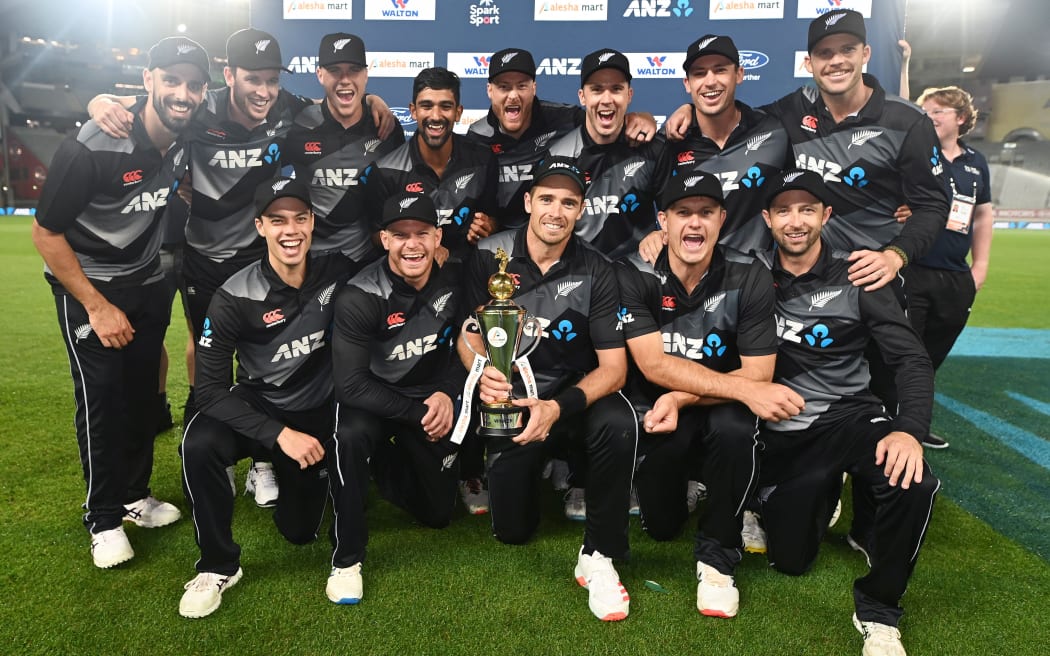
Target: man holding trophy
(569,392)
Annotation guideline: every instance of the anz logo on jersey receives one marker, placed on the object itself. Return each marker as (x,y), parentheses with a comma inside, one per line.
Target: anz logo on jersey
(420,346)
(299,347)
(245,158)
(342,177)
(695,348)
(818,336)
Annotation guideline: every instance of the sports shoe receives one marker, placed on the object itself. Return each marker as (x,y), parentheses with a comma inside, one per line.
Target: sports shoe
(109,548)
(150,512)
(694,494)
(344,585)
(879,639)
(635,508)
(262,482)
(475,496)
(716,593)
(753,535)
(857,546)
(575,504)
(559,475)
(836,514)
(932,441)
(608,599)
(204,593)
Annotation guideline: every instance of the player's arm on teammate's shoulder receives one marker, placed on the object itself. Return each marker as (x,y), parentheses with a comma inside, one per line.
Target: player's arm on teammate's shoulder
(112,114)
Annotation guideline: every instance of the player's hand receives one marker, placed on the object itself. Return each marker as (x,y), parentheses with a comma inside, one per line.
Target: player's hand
(902,455)
(440,255)
(663,418)
(493,385)
(651,245)
(542,415)
(876,269)
(113,119)
(640,128)
(677,125)
(772,401)
(979,271)
(300,447)
(902,213)
(111,325)
(482,226)
(905,49)
(437,422)
(185,188)
(381,115)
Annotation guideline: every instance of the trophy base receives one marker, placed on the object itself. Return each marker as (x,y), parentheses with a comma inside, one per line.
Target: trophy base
(501,420)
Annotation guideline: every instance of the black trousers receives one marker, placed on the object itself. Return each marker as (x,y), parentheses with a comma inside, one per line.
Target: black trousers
(115,392)
(721,438)
(209,447)
(607,433)
(202,277)
(939,304)
(413,473)
(801,482)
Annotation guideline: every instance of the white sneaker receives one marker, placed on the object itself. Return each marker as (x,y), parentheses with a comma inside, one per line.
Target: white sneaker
(344,585)
(608,599)
(204,593)
(262,482)
(716,593)
(835,515)
(635,508)
(475,496)
(576,504)
(109,548)
(694,494)
(559,475)
(150,512)
(879,639)
(753,535)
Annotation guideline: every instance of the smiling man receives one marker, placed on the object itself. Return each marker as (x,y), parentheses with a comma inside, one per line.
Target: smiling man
(99,229)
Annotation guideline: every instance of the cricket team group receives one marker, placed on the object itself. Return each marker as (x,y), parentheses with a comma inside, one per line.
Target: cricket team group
(719,307)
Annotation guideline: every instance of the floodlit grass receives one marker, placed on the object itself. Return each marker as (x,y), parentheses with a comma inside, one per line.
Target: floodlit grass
(455,591)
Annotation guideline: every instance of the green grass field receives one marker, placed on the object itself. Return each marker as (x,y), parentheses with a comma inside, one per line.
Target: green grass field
(458,591)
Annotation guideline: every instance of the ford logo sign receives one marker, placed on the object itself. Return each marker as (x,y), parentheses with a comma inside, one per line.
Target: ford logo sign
(403,116)
(753,59)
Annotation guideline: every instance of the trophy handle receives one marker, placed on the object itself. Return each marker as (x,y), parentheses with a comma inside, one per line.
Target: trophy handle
(537,335)
(472,322)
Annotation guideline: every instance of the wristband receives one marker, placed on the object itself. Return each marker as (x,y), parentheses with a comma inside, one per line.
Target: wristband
(899,251)
(572,401)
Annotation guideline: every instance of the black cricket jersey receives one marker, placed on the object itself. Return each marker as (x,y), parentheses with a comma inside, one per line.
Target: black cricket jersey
(329,158)
(824,324)
(517,157)
(755,152)
(227,163)
(281,337)
(623,184)
(884,156)
(467,186)
(575,302)
(107,197)
(728,315)
(394,345)
(967,176)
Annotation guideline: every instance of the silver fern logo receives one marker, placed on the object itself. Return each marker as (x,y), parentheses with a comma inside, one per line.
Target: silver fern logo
(371,145)
(541,141)
(260,46)
(711,304)
(706,42)
(178,157)
(755,142)
(631,169)
(185,49)
(81,332)
(820,299)
(448,461)
(507,58)
(463,180)
(568,287)
(791,177)
(441,302)
(407,203)
(861,137)
(326,296)
(605,56)
(832,20)
(690,182)
(279,185)
(340,44)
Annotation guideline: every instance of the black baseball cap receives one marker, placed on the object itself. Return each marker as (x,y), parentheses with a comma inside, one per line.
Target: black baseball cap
(840,21)
(689,185)
(512,59)
(711,44)
(604,58)
(341,48)
(280,187)
(801,179)
(409,205)
(179,50)
(253,50)
(557,165)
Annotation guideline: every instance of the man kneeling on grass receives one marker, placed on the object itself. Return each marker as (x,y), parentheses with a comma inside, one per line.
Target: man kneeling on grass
(824,324)
(275,315)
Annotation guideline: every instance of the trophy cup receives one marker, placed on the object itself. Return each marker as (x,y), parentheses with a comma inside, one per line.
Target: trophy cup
(501,323)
